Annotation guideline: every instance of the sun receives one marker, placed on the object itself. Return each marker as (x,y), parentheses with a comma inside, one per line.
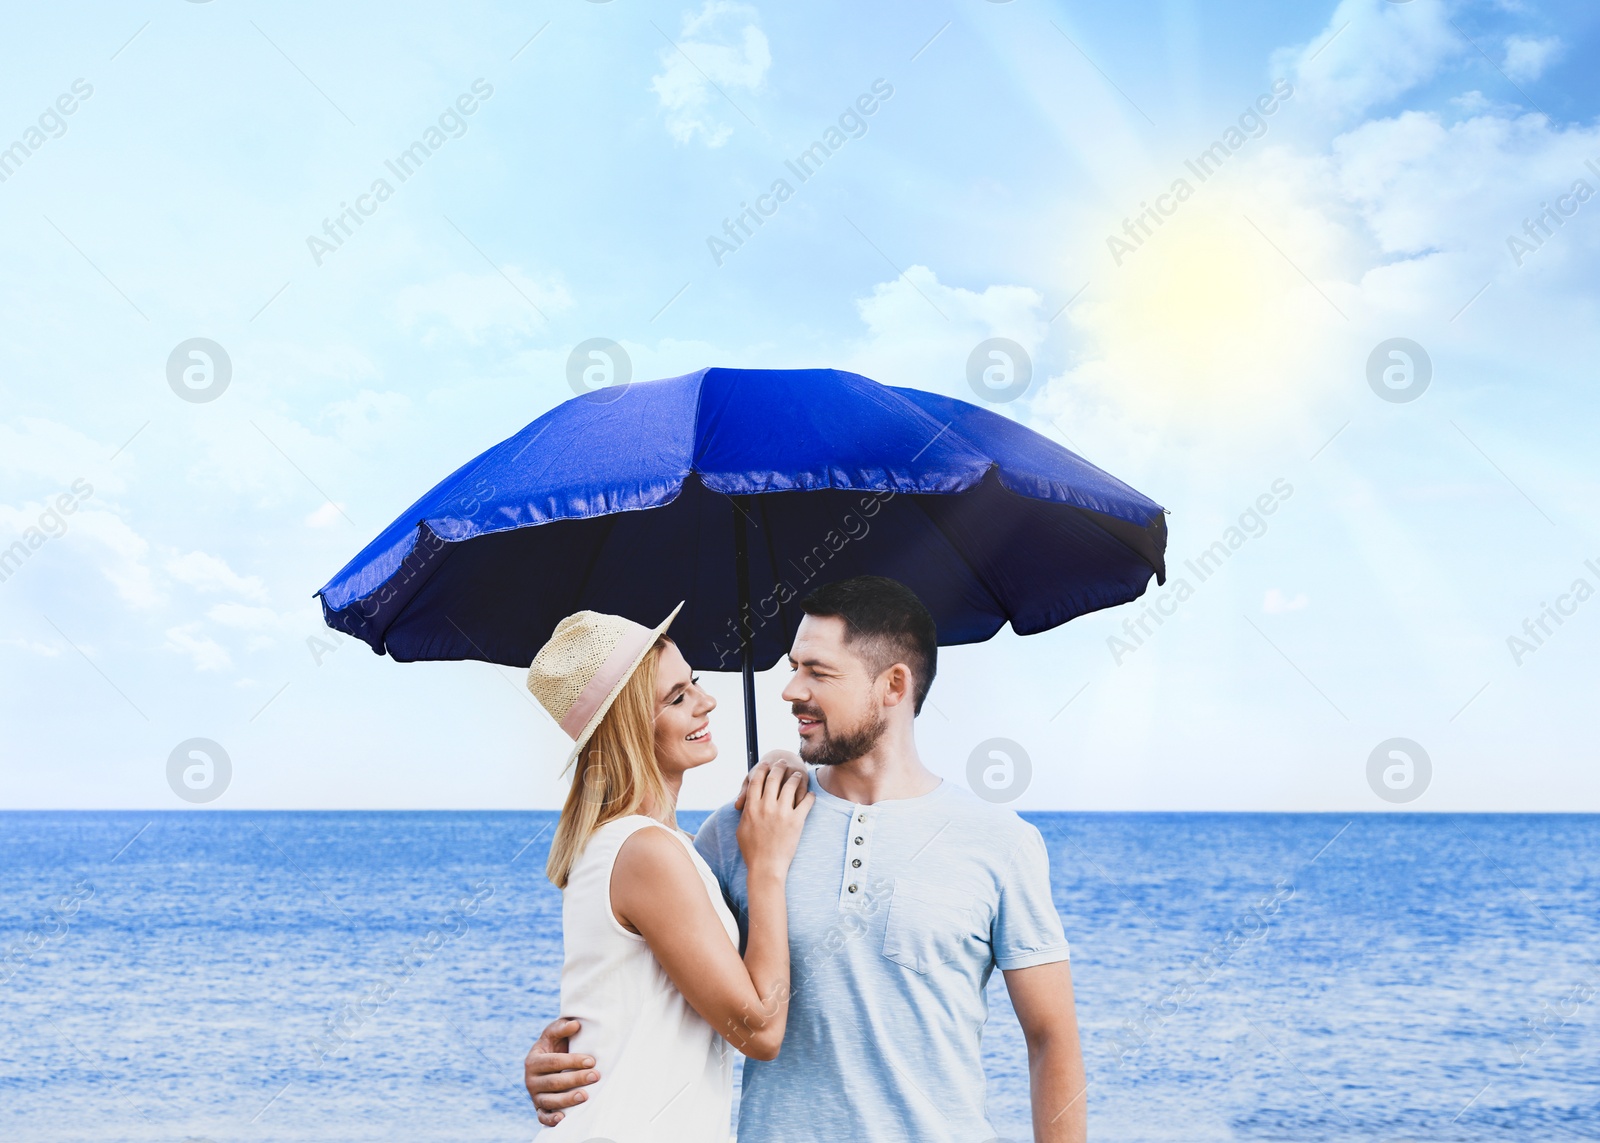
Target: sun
(1203,312)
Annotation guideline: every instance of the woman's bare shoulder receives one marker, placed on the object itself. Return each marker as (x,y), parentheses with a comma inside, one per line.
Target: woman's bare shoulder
(654,855)
(653,875)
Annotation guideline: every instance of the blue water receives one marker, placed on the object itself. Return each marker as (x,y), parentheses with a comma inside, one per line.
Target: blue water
(1401,977)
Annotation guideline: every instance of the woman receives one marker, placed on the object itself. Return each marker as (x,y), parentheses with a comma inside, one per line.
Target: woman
(652,971)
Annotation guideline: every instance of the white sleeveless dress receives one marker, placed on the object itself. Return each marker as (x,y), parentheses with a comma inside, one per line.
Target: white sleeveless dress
(665,1076)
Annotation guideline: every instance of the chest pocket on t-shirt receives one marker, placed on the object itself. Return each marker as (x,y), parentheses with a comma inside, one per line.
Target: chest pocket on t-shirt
(926,927)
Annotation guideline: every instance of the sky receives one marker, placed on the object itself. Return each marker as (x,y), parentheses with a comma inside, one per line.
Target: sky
(1318,278)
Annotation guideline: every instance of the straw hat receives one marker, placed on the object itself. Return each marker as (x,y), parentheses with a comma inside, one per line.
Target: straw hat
(581,670)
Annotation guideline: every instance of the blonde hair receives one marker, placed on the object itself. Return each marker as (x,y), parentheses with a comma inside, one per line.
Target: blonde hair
(616,773)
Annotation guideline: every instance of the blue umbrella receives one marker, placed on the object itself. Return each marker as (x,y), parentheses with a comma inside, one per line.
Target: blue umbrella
(739,490)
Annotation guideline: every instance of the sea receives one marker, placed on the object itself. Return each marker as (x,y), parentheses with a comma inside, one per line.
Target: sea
(332,976)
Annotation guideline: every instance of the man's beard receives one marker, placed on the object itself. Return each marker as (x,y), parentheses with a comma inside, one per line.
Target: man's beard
(835,750)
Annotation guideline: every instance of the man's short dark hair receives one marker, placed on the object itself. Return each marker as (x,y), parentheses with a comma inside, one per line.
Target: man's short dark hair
(885,623)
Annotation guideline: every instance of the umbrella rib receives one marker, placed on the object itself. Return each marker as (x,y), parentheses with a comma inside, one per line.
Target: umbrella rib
(611,522)
(433,569)
(772,559)
(1090,515)
(982,581)
(960,555)
(743,622)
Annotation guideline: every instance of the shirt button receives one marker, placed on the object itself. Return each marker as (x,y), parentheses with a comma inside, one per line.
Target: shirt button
(856,864)
(852,888)
(861,817)
(858,841)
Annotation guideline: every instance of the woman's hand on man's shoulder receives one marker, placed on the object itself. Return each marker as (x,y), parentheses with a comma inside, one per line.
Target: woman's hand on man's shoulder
(772,760)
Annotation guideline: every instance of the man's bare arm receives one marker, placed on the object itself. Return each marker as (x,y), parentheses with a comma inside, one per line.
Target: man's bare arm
(554,1077)
(1042,997)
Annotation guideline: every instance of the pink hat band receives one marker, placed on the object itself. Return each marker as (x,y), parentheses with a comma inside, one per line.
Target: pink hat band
(584,666)
(635,638)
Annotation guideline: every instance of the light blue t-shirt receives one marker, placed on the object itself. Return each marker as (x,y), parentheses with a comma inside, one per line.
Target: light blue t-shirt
(898,914)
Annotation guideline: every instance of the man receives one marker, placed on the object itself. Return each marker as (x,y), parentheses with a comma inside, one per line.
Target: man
(905,894)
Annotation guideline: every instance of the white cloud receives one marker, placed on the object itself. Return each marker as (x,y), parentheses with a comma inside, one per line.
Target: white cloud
(259,625)
(922,331)
(1370,52)
(61,455)
(208,573)
(1476,103)
(204,652)
(327,516)
(475,306)
(243,616)
(1422,185)
(1527,56)
(125,563)
(366,417)
(724,49)
(31,647)
(1276,603)
(35,515)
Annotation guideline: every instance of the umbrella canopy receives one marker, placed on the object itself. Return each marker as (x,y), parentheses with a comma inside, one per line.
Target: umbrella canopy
(754,485)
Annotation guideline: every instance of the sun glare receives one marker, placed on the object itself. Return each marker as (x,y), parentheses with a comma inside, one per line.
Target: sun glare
(1199,312)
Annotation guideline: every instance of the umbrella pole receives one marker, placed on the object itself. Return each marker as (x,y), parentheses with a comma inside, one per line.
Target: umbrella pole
(747,653)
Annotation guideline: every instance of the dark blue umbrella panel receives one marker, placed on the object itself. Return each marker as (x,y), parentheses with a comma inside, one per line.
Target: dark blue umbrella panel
(632,498)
